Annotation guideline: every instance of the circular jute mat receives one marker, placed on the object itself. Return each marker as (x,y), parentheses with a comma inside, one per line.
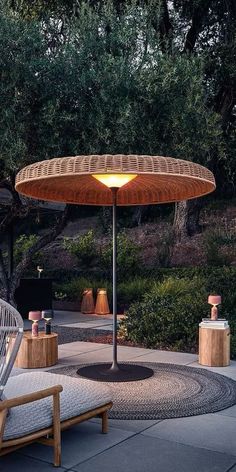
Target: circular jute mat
(174,391)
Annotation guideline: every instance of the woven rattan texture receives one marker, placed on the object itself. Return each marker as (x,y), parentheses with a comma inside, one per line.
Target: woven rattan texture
(159,179)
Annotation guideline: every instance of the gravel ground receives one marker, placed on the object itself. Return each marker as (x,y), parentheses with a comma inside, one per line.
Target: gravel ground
(69,335)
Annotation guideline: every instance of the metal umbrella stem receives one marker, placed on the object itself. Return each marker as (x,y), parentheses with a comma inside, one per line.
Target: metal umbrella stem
(114,366)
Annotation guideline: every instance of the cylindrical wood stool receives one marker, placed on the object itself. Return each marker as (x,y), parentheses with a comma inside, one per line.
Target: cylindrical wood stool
(214,347)
(36,352)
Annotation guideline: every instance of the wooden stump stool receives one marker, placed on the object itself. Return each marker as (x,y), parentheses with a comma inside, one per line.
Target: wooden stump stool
(36,352)
(214,347)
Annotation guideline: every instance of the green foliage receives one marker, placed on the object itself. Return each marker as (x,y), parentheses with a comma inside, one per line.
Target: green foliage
(83,247)
(164,309)
(105,220)
(165,247)
(72,291)
(168,315)
(128,259)
(132,290)
(213,242)
(205,281)
(22,244)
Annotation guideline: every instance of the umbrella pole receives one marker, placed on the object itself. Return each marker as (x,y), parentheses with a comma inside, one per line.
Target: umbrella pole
(114,366)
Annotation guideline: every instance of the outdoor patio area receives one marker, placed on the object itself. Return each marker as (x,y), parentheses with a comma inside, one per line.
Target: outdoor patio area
(203,443)
(117,236)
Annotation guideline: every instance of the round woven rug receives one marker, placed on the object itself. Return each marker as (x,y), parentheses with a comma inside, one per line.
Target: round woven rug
(174,391)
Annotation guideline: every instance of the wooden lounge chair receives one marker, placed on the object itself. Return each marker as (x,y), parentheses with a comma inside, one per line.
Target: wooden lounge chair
(43,404)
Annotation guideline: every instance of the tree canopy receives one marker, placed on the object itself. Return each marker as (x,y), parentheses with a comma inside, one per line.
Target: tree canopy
(151,77)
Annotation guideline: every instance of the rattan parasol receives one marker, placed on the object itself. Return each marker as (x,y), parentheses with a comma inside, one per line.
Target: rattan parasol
(159,180)
(115,180)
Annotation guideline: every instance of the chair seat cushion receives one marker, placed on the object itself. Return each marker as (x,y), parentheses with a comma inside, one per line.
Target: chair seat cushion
(78,396)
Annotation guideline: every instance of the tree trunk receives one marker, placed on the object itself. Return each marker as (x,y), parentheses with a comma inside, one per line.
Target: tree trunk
(198,17)
(4,279)
(186,220)
(138,214)
(180,220)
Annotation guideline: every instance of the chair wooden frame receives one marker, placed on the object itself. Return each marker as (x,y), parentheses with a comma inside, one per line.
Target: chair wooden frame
(50,436)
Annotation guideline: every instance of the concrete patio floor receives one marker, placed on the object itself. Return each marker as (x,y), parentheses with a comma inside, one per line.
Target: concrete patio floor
(205,443)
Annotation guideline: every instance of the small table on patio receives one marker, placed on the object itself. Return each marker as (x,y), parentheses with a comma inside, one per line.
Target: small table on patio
(37,352)
(214,347)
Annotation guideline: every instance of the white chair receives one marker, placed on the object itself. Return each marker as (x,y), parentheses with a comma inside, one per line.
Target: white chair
(11,324)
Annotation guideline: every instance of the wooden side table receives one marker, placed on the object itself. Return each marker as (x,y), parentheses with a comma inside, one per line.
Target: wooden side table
(40,351)
(214,347)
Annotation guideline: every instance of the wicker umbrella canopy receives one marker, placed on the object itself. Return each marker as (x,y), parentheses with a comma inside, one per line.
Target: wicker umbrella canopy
(158,180)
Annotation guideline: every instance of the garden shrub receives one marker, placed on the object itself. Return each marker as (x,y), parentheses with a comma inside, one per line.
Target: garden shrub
(169,314)
(133,289)
(213,243)
(83,247)
(165,248)
(128,258)
(105,220)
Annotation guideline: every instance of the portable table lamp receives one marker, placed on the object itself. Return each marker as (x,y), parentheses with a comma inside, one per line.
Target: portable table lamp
(35,316)
(214,300)
(47,315)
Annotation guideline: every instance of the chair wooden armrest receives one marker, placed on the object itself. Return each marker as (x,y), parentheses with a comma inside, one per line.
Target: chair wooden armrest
(31,397)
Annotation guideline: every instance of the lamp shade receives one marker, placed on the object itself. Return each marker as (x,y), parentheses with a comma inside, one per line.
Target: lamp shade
(214,299)
(34,315)
(114,180)
(47,314)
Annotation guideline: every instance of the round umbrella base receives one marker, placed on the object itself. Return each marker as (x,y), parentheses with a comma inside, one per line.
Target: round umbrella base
(124,373)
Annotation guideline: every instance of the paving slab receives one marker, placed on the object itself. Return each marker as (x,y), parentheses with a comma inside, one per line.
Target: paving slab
(65,317)
(79,443)
(228,412)
(229,371)
(107,327)
(129,425)
(90,324)
(213,432)
(66,353)
(16,462)
(62,353)
(142,454)
(103,355)
(82,346)
(149,355)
